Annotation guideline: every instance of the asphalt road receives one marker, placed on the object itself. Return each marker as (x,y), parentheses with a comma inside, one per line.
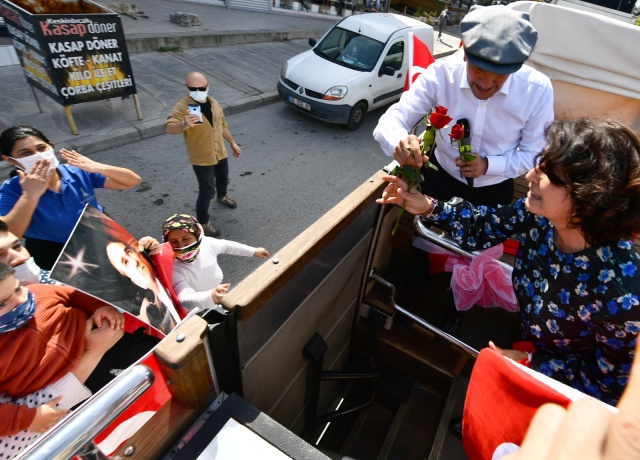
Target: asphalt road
(292,170)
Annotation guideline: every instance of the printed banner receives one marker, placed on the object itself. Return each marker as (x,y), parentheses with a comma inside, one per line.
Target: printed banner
(102,259)
(73,58)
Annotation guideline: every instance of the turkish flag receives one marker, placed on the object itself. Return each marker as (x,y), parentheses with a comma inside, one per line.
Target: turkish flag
(419,59)
(501,400)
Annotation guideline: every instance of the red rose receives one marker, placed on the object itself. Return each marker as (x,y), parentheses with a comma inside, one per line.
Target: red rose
(457,132)
(439,118)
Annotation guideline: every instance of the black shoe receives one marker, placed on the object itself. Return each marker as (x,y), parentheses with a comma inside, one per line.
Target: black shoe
(209,230)
(228,202)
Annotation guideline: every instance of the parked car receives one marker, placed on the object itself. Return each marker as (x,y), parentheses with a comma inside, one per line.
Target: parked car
(358,65)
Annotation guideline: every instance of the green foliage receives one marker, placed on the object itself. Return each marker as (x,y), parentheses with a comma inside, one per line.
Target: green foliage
(420,13)
(165,49)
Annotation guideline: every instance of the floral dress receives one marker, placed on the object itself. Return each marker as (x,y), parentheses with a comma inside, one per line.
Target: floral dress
(580,310)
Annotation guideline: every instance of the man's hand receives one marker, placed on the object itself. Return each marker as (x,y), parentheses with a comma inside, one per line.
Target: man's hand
(47,416)
(149,243)
(113,317)
(191,120)
(261,252)
(35,182)
(219,292)
(473,169)
(407,152)
(236,150)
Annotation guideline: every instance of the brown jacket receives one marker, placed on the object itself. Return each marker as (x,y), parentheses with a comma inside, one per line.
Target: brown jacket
(205,143)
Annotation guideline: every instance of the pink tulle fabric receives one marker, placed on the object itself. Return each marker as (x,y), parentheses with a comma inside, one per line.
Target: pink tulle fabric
(483,281)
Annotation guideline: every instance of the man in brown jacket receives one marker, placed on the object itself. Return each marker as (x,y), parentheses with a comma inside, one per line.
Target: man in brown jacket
(199,118)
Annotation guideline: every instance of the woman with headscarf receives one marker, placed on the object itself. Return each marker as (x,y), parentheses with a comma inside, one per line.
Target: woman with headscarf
(197,276)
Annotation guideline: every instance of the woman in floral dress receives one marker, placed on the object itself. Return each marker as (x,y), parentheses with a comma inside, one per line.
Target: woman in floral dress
(576,275)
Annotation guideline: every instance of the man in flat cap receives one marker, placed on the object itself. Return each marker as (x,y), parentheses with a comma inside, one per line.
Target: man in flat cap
(507,105)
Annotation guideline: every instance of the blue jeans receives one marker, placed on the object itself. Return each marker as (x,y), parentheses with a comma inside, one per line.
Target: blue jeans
(211,180)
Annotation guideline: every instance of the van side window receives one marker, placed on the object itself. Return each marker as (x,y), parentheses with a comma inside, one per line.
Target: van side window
(394,56)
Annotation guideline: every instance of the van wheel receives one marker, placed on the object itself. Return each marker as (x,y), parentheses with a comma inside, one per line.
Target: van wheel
(356,117)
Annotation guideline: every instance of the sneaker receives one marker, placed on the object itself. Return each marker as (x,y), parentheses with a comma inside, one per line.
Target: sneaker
(209,230)
(228,202)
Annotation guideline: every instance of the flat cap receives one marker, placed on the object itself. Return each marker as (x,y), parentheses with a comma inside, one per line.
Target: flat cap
(497,39)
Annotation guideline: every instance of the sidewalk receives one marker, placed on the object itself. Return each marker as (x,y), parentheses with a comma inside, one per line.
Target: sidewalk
(159,76)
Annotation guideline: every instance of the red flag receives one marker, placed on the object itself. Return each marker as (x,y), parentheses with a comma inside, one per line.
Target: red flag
(501,400)
(419,59)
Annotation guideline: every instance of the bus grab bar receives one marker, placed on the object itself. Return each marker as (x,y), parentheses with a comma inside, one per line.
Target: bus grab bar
(75,434)
(428,326)
(447,243)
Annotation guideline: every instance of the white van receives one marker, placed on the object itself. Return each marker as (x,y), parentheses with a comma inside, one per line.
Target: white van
(358,65)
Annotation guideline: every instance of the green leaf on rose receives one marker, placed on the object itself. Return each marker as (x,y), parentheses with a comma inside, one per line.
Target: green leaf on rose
(411,175)
(428,138)
(465,153)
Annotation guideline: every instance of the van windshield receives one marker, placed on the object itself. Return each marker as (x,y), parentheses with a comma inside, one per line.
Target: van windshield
(350,49)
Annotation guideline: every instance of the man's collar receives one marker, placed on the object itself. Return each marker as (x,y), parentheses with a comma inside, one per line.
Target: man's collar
(464,82)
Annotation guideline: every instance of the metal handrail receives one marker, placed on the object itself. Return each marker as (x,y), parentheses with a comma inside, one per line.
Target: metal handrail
(428,326)
(447,243)
(76,432)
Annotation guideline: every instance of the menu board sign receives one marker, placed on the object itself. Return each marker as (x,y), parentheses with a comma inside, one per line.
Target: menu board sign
(73,58)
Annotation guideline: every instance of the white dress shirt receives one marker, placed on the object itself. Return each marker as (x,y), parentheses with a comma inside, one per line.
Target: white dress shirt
(507,129)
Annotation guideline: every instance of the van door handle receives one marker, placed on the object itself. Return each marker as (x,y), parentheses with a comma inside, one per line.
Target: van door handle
(399,75)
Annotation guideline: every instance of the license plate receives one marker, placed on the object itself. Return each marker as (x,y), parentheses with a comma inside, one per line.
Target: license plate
(300,103)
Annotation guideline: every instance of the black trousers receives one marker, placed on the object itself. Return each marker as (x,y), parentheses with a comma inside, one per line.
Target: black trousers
(441,186)
(211,180)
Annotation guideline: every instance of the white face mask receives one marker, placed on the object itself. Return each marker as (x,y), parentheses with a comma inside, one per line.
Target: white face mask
(28,162)
(199,96)
(28,272)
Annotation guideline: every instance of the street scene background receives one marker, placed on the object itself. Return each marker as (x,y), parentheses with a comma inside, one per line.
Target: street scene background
(293,168)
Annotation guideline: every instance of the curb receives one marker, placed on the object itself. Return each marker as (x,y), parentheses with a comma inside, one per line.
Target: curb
(139,43)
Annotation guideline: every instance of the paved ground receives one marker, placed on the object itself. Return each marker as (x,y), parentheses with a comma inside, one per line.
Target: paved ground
(236,83)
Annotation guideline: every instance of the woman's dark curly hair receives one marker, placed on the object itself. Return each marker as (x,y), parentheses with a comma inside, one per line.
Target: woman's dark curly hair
(598,160)
(11,135)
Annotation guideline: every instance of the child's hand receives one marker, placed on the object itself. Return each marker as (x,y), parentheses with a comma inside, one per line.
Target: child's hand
(219,292)
(111,315)
(47,416)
